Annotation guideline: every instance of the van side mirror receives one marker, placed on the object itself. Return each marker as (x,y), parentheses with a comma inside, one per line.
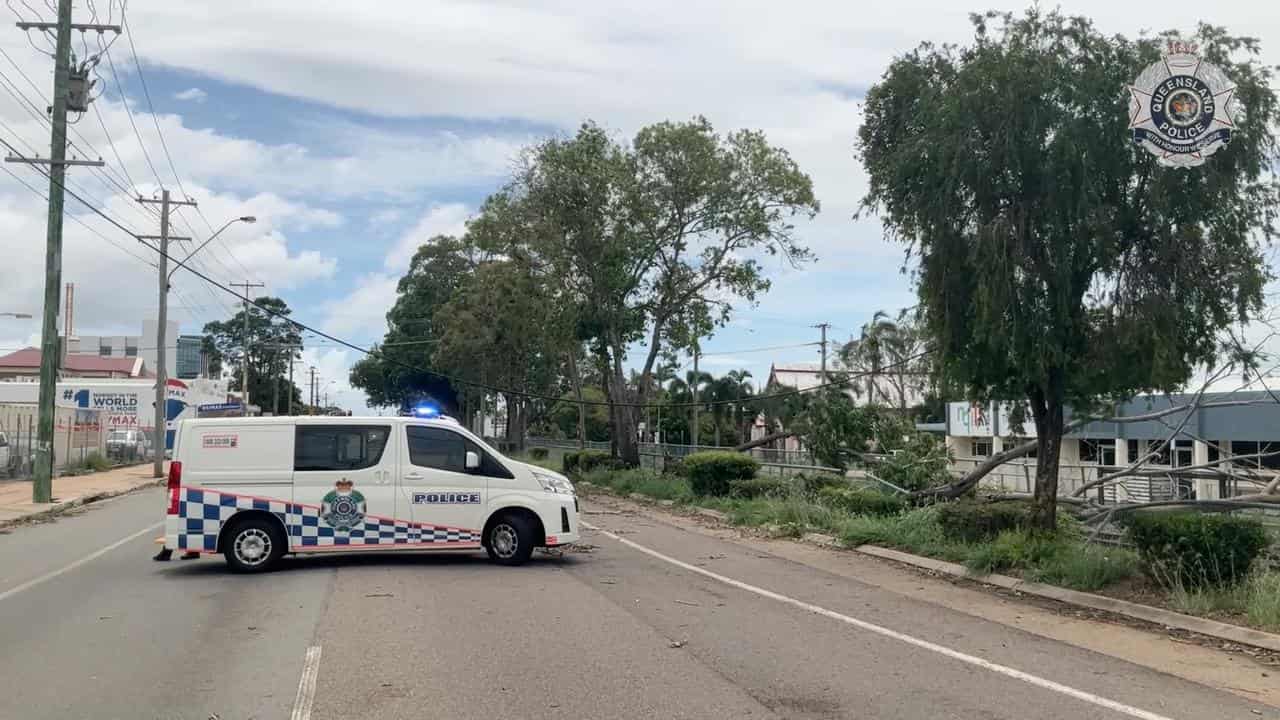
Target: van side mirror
(472,461)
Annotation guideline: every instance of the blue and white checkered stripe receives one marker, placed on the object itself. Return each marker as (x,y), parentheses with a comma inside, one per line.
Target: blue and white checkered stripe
(202,512)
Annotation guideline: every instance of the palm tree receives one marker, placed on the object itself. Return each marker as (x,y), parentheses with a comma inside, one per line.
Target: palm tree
(681,391)
(728,391)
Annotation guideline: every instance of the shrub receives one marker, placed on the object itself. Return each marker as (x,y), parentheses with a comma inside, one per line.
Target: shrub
(969,521)
(1057,560)
(812,485)
(1191,550)
(584,461)
(711,472)
(538,453)
(759,487)
(638,480)
(793,516)
(861,501)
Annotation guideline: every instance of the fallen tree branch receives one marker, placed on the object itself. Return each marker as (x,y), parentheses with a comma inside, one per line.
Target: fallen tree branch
(764,440)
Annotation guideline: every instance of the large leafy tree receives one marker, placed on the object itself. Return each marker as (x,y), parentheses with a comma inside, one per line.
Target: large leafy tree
(398,373)
(1058,262)
(225,344)
(659,238)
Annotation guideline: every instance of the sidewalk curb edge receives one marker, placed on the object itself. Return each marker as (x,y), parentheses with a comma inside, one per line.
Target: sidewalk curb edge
(77,502)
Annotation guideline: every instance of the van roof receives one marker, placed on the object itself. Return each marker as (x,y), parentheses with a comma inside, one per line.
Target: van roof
(323,420)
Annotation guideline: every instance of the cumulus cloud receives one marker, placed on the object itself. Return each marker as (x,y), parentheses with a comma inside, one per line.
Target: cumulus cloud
(447,219)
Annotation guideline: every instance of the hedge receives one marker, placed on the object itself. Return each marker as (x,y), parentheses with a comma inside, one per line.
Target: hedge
(1192,550)
(712,472)
(759,487)
(584,461)
(862,501)
(969,521)
(538,453)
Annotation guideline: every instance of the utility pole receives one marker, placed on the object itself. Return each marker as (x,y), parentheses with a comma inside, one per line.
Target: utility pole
(244,360)
(275,382)
(70,92)
(823,327)
(160,431)
(311,392)
(693,431)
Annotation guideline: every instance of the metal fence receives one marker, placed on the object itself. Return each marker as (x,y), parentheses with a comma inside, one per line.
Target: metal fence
(78,435)
(655,455)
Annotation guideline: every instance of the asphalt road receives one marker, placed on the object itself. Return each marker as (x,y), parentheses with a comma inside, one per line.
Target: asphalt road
(652,622)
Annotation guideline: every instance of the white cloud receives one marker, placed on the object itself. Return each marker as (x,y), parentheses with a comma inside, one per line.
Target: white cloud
(362,311)
(448,219)
(192,94)
(386,216)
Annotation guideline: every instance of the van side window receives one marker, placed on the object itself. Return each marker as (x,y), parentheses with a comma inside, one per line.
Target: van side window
(339,447)
(447,450)
(435,448)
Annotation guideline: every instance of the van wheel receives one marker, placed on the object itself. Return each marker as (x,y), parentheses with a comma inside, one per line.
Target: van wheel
(253,545)
(510,540)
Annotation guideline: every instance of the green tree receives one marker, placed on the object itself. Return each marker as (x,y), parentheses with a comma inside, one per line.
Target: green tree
(397,375)
(659,237)
(224,343)
(1057,261)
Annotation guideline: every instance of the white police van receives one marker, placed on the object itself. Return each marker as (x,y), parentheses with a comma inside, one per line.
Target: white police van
(256,488)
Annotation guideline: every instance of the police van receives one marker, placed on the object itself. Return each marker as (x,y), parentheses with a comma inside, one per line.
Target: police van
(253,489)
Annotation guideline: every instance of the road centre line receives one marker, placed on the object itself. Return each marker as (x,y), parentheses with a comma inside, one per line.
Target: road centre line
(307,685)
(86,559)
(895,635)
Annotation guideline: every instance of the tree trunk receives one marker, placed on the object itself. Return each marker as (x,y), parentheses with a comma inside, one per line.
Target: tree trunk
(624,430)
(576,377)
(716,417)
(1046,407)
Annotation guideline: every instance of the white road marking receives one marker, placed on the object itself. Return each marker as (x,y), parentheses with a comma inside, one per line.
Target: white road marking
(894,634)
(87,558)
(307,685)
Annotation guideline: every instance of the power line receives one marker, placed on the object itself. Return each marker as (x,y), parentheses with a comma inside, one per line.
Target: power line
(841,383)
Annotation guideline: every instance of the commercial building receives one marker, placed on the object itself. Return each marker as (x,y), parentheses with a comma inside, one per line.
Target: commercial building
(24,366)
(1249,427)
(130,346)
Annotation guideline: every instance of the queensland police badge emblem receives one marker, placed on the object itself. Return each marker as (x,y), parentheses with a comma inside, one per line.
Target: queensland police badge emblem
(343,507)
(1182,109)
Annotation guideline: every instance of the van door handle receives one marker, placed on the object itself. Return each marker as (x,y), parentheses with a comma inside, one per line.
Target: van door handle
(413,476)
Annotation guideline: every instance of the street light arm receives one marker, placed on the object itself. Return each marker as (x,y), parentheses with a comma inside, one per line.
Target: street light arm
(183,261)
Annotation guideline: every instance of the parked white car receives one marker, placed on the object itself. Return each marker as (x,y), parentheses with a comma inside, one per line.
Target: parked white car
(5,455)
(256,488)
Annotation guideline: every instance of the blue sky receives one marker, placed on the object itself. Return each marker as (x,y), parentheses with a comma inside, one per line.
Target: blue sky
(354,138)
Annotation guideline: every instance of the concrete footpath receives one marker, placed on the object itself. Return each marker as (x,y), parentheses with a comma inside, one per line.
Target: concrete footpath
(70,491)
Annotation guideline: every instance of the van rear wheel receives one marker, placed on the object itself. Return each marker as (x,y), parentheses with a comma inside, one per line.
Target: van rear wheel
(510,540)
(253,545)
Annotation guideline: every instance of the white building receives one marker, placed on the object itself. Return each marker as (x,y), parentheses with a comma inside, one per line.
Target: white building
(975,432)
(124,346)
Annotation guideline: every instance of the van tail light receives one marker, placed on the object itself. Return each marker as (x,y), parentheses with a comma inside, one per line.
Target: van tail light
(175,480)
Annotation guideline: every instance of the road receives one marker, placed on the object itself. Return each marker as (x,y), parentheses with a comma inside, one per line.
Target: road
(653,621)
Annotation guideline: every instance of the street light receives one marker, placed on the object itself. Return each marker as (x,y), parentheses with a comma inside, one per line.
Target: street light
(248,219)
(16,315)
(162,394)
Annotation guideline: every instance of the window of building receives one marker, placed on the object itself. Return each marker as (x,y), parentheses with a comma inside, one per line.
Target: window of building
(1102,452)
(980,448)
(339,447)
(1214,454)
(104,350)
(1183,453)
(131,350)
(1271,462)
(1016,441)
(1134,447)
